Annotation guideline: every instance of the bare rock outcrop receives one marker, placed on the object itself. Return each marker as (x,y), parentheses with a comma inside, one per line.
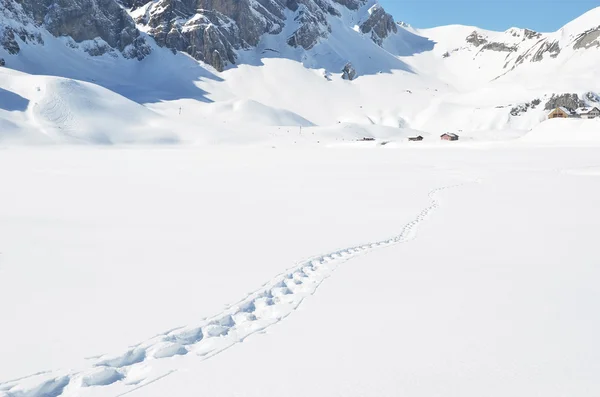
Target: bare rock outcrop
(380,24)
(81,20)
(569,101)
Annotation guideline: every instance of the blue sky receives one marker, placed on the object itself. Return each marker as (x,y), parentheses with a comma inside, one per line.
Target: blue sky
(539,15)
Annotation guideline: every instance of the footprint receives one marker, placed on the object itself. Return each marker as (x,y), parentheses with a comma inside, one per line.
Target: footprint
(131,357)
(169,349)
(101,377)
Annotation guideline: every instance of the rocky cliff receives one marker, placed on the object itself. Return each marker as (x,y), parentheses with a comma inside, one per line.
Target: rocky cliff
(104,23)
(213,30)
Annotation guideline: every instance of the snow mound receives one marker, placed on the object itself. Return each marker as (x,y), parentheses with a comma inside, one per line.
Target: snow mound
(75,111)
(254,112)
(47,109)
(565,132)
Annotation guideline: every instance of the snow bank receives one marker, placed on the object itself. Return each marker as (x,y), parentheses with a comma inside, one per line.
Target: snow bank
(565,132)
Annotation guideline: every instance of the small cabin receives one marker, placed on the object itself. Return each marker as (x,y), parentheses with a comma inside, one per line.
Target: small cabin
(367,139)
(559,113)
(449,137)
(415,138)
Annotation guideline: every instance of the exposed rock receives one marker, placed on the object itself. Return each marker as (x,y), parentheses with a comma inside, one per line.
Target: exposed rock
(569,101)
(139,49)
(380,24)
(588,39)
(551,48)
(476,39)
(97,47)
(82,20)
(500,47)
(445,54)
(349,4)
(2,62)
(592,97)
(211,30)
(8,42)
(133,4)
(531,34)
(310,30)
(201,27)
(523,108)
(348,73)
(216,60)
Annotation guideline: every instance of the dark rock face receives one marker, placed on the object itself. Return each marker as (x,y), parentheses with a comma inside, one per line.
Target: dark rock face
(546,48)
(499,47)
(349,4)
(21,29)
(211,30)
(132,4)
(79,19)
(214,30)
(9,42)
(2,62)
(531,34)
(479,40)
(87,20)
(523,108)
(569,101)
(348,73)
(476,39)
(312,28)
(592,97)
(380,24)
(537,52)
(588,39)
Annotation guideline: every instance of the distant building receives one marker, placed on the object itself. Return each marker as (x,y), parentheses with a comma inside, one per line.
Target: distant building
(449,137)
(583,113)
(415,138)
(588,113)
(560,113)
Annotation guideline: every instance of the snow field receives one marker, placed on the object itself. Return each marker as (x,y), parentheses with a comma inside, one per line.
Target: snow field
(517,189)
(269,305)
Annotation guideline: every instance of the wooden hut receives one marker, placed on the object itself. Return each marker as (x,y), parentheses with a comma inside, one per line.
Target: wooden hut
(559,113)
(415,138)
(448,136)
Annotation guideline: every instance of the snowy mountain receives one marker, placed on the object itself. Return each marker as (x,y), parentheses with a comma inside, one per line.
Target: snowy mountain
(492,55)
(213,31)
(342,69)
(258,264)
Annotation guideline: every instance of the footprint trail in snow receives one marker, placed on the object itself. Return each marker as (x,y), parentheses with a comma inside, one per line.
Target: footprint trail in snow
(145,363)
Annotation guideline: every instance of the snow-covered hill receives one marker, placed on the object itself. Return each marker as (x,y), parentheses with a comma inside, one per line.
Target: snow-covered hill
(310,71)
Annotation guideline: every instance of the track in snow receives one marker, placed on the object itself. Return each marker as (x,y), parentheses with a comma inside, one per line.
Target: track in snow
(133,368)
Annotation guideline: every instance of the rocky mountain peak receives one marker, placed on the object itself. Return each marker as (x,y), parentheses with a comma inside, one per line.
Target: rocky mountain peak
(214,30)
(380,24)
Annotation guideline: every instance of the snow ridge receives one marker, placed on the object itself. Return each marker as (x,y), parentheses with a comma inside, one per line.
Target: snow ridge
(273,302)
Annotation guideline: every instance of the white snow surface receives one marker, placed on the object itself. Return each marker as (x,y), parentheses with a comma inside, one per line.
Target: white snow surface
(457,270)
